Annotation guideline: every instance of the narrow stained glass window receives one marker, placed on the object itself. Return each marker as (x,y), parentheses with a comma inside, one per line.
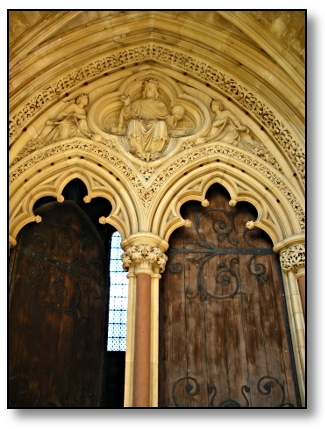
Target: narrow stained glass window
(118,297)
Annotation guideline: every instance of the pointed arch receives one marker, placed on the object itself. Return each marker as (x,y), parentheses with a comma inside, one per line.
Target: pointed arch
(198,56)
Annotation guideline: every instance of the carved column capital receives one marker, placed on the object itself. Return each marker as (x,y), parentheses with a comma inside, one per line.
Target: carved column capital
(144,252)
(293,258)
(144,255)
(292,254)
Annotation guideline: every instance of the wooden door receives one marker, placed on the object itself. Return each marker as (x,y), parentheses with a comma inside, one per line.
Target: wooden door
(57,319)
(224,337)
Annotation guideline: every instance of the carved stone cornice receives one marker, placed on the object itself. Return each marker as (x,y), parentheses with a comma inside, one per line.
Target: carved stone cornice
(293,258)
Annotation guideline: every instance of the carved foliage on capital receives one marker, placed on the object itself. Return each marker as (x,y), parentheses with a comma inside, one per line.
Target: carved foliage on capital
(293,258)
(137,254)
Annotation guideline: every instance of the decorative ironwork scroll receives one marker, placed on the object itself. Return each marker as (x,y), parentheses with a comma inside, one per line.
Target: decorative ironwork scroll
(223,313)
(226,278)
(58,309)
(19,387)
(266,385)
(64,296)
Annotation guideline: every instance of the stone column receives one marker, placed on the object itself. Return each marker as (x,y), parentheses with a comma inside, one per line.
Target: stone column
(302,290)
(292,259)
(141,378)
(144,258)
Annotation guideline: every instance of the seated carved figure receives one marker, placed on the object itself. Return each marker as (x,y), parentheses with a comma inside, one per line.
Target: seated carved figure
(227,128)
(149,121)
(72,121)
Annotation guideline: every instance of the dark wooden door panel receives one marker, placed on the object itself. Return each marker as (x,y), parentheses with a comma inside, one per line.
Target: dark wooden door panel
(224,338)
(57,319)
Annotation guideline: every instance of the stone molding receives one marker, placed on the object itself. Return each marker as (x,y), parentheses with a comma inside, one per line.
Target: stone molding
(147,189)
(293,258)
(243,96)
(12,242)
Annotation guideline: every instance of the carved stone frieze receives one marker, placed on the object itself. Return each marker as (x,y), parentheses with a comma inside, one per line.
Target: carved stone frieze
(244,97)
(87,146)
(144,252)
(146,172)
(293,258)
(146,138)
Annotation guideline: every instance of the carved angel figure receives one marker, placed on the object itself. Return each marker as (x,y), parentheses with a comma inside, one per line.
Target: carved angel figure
(72,121)
(227,128)
(149,121)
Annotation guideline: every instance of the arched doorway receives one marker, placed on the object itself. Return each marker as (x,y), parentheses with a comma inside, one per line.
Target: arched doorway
(224,337)
(59,303)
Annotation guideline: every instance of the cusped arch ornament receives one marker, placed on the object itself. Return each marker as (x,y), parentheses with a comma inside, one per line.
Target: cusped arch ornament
(280,209)
(205,133)
(51,181)
(147,193)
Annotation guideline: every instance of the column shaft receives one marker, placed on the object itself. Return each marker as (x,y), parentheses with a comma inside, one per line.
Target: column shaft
(301,284)
(141,380)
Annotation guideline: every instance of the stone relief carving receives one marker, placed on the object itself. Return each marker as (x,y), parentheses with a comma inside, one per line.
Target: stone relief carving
(149,116)
(147,127)
(144,252)
(163,54)
(293,258)
(70,122)
(149,122)
(227,128)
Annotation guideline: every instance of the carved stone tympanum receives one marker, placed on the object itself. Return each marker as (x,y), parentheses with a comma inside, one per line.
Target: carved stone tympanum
(149,117)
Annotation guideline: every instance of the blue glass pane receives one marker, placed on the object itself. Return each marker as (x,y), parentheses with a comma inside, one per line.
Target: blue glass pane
(117,314)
